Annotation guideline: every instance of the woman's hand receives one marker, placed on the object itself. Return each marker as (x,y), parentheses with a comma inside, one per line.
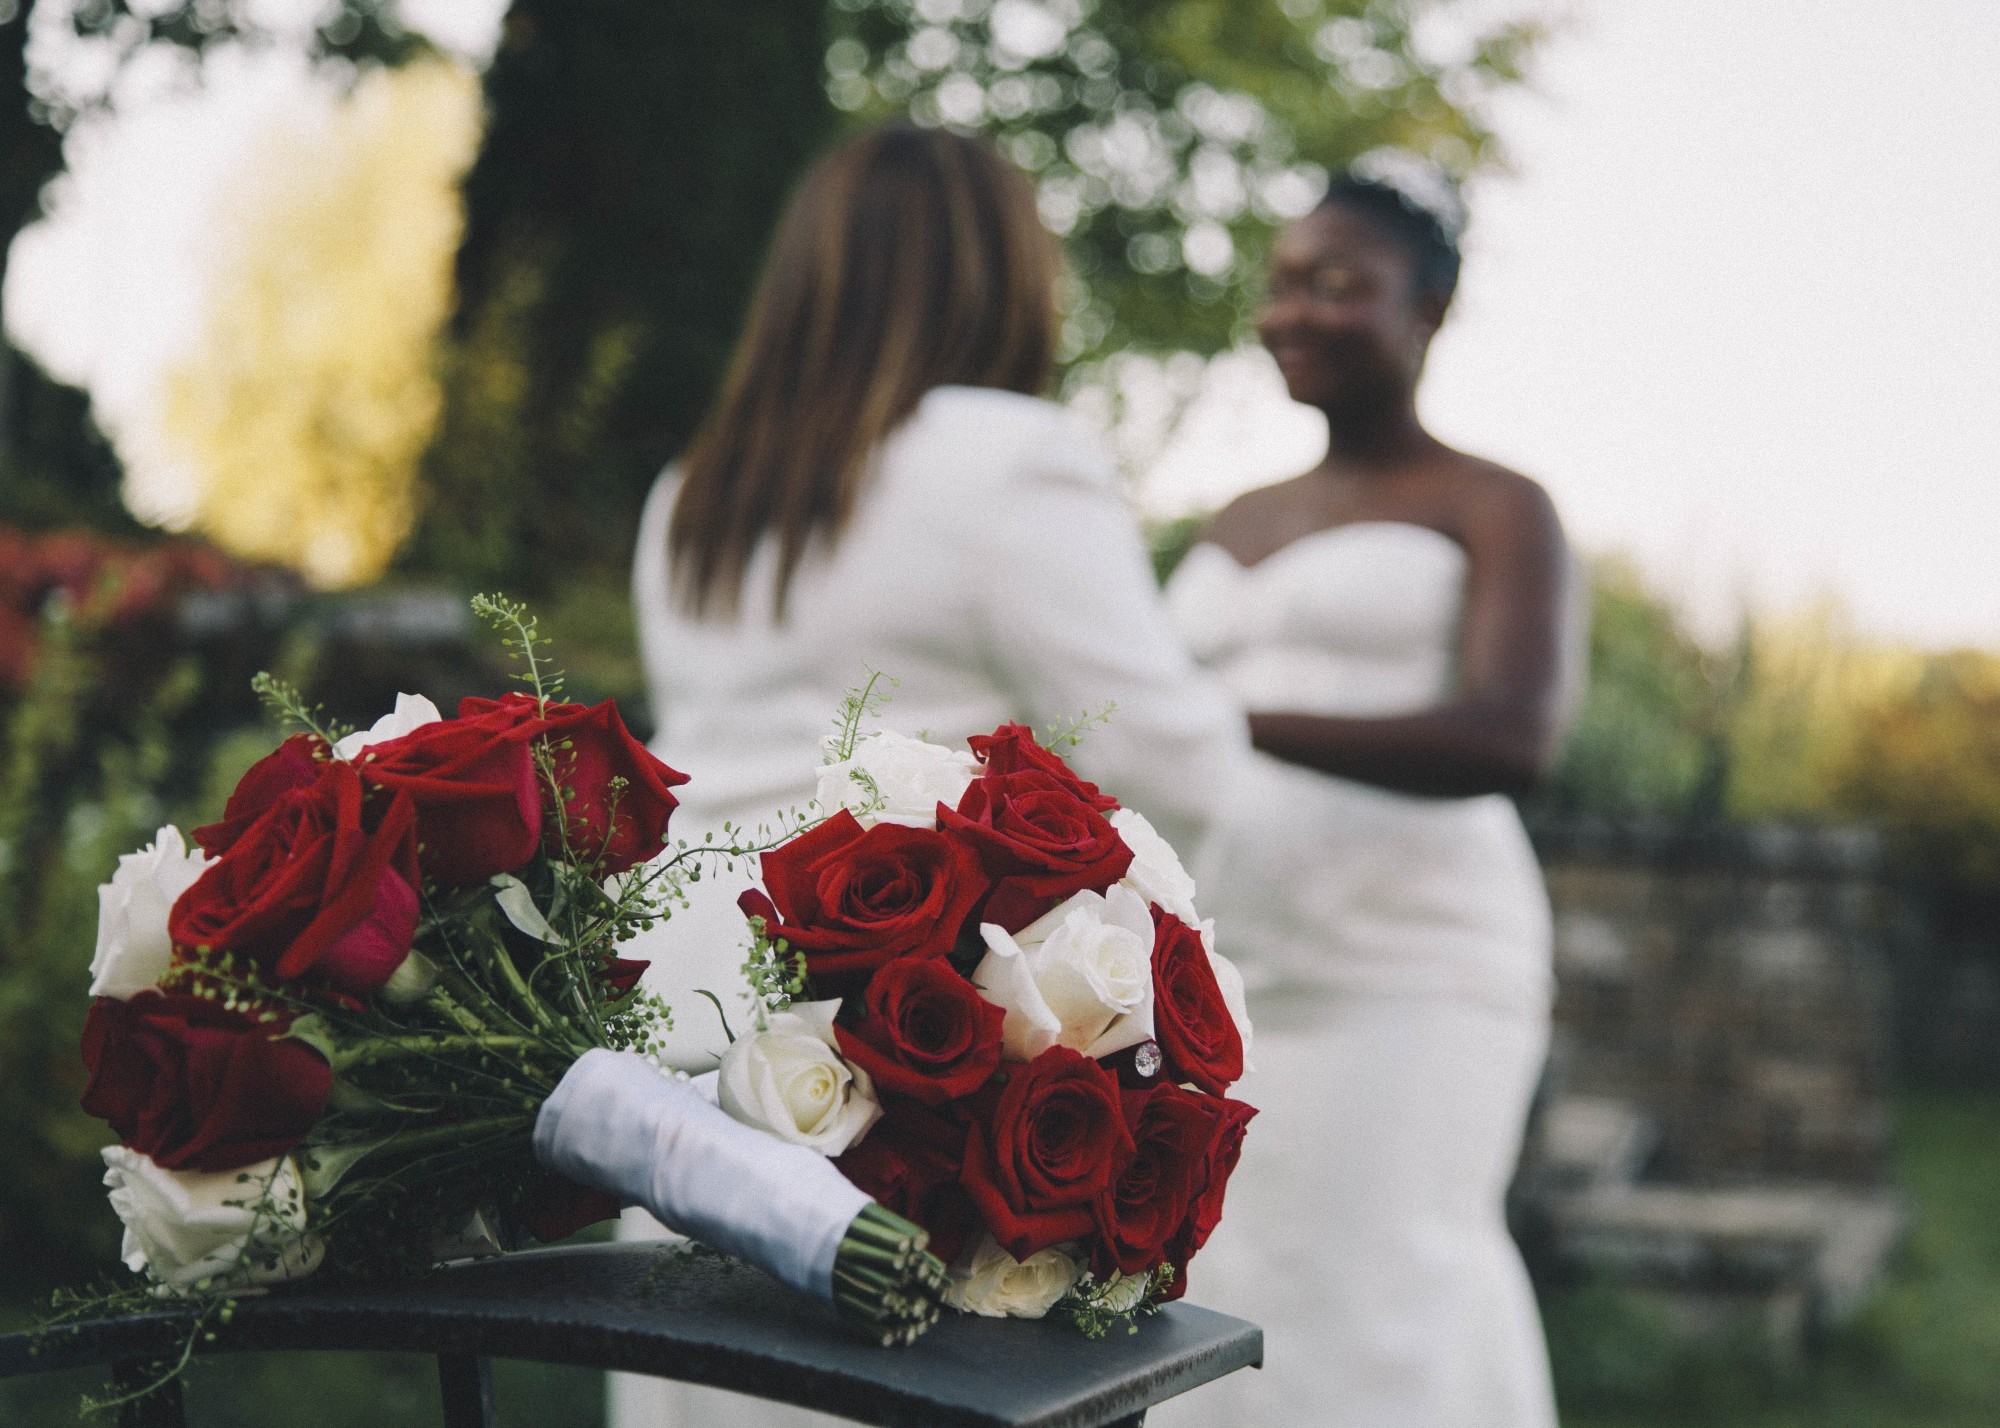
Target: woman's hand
(1519,654)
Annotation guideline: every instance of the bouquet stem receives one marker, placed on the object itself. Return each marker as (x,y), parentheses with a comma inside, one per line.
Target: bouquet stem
(885,1279)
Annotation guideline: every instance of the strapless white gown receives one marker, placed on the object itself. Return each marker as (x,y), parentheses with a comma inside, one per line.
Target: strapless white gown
(1398,951)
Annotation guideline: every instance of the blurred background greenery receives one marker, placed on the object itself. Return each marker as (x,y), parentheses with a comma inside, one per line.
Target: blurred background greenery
(454,344)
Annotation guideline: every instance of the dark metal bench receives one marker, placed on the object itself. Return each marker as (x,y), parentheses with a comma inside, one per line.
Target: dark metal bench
(700,1319)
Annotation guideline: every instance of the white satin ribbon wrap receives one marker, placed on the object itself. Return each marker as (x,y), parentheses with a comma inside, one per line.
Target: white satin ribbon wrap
(617,1124)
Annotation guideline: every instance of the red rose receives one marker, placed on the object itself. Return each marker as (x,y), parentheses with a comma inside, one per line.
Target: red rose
(1056,1137)
(307,889)
(926,1034)
(910,1162)
(555,1208)
(196,1086)
(371,951)
(1229,1121)
(617,830)
(1142,1209)
(473,786)
(1225,1148)
(296,763)
(854,899)
(1039,840)
(1012,748)
(622,974)
(1191,1021)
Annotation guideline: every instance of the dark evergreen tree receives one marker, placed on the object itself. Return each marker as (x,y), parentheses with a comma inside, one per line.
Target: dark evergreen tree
(637,153)
(55,468)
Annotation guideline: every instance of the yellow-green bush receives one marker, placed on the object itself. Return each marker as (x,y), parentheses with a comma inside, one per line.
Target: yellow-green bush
(1923,761)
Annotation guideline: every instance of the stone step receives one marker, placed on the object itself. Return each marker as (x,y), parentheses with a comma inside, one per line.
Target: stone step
(1582,1142)
(1830,1242)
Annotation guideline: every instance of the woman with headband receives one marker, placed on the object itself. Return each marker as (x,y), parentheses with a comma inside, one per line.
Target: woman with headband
(1398,622)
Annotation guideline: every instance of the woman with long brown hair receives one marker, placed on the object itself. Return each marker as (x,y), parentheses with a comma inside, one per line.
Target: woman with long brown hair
(881,486)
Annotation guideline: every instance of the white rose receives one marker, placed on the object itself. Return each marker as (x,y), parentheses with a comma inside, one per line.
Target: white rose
(994,1283)
(234,1227)
(412,712)
(1122,1293)
(910,777)
(1230,981)
(133,950)
(1156,873)
(1080,976)
(791,1080)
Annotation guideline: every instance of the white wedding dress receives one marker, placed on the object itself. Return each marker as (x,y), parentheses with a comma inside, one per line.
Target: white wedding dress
(996,572)
(1398,951)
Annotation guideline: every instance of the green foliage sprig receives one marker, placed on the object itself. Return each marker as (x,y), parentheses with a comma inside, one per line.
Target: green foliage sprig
(859,704)
(1069,733)
(286,705)
(520,635)
(1096,1305)
(206,1316)
(775,970)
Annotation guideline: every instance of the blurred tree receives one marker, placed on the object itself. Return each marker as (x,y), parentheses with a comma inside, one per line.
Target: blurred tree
(310,396)
(105,736)
(55,468)
(1170,137)
(638,149)
(608,254)
(1651,738)
(1807,683)
(636,155)
(1923,763)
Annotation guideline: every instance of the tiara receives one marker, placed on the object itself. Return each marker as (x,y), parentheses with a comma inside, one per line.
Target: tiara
(1420,184)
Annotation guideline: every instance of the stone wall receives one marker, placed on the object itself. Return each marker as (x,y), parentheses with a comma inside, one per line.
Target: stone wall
(1714,1129)
(1730,985)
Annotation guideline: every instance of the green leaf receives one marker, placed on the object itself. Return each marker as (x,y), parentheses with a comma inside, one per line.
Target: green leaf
(519,904)
(321,1167)
(314,1031)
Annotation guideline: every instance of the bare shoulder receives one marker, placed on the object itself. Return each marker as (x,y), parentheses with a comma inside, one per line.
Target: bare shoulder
(1499,503)
(1256,522)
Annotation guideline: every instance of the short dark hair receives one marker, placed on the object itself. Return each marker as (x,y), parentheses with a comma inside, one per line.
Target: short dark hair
(1422,235)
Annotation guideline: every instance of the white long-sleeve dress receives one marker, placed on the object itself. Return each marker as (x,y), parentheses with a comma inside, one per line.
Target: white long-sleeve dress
(996,572)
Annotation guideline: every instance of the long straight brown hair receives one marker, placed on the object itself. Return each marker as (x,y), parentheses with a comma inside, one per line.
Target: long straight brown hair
(907,259)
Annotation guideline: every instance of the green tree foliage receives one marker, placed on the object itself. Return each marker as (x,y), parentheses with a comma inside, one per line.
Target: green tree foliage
(638,150)
(117,31)
(1651,738)
(637,153)
(1923,762)
(1170,137)
(55,467)
(93,753)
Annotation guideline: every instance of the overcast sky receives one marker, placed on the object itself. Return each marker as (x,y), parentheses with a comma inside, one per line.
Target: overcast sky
(1739,309)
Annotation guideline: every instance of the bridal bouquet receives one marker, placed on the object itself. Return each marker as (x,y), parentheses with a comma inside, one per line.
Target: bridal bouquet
(376,1017)
(983,989)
